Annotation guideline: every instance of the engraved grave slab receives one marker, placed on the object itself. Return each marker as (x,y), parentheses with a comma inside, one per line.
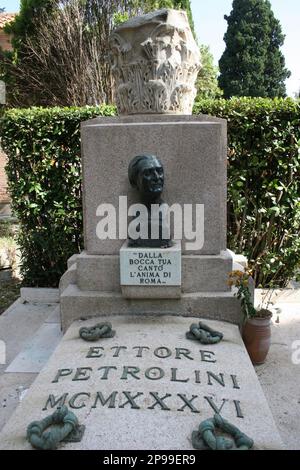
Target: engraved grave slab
(147,388)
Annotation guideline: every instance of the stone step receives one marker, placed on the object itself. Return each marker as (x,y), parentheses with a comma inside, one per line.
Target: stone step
(200,273)
(76,303)
(42,295)
(38,351)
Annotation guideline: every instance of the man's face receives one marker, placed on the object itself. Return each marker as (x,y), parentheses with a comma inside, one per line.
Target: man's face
(150,181)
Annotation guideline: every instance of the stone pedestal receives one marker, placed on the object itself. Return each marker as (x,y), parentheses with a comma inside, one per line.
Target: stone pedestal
(193,151)
(91,287)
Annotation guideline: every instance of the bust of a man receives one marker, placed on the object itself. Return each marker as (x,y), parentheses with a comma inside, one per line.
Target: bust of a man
(146,174)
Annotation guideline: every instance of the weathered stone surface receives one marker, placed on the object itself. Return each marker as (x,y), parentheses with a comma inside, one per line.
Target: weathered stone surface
(2,92)
(12,389)
(155,63)
(200,273)
(206,273)
(98,272)
(28,318)
(148,292)
(19,325)
(147,388)
(54,317)
(72,260)
(37,352)
(41,295)
(193,152)
(76,303)
(69,277)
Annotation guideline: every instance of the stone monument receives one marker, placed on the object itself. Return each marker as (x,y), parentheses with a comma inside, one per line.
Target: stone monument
(155,61)
(153,378)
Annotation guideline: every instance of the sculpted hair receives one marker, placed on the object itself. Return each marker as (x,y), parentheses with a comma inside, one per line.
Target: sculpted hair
(135,167)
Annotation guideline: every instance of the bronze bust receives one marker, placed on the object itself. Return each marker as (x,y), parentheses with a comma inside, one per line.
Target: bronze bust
(146,174)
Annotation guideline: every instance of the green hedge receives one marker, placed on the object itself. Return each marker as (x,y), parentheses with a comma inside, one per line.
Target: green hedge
(43,148)
(44,172)
(263,183)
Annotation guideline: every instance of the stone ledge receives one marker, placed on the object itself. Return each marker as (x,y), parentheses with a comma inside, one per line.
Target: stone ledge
(39,295)
(200,273)
(76,304)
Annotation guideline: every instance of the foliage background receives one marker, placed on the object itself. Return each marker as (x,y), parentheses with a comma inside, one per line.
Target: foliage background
(263,183)
(44,172)
(252,63)
(44,169)
(61,54)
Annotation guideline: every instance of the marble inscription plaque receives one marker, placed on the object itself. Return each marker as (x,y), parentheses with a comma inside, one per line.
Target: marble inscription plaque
(150,266)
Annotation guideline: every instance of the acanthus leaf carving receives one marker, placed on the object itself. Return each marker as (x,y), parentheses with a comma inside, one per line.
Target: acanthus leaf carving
(155,63)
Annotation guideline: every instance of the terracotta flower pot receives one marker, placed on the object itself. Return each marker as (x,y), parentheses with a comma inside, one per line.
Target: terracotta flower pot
(257,338)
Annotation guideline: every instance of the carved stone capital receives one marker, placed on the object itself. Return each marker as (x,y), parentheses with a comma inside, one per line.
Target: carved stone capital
(155,62)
